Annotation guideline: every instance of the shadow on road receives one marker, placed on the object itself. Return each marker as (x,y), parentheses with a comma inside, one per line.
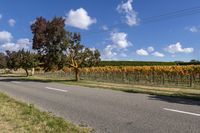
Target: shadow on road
(19,78)
(175,100)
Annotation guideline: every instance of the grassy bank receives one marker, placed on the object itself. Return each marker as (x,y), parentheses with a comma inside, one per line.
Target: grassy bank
(17,117)
(164,91)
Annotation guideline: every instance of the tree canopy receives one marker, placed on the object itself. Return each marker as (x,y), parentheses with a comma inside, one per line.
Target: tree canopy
(49,39)
(79,56)
(21,59)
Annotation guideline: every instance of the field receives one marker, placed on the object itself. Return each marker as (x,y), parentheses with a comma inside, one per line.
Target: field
(170,76)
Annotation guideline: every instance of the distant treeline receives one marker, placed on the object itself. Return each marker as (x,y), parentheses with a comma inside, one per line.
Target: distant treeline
(188,63)
(136,63)
(144,63)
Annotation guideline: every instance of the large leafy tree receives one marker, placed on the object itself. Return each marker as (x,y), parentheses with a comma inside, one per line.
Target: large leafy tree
(49,39)
(79,56)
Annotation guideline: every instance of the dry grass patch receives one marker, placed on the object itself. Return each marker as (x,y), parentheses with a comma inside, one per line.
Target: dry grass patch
(17,117)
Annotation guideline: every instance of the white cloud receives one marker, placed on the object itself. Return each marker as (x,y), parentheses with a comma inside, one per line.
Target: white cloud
(150,49)
(11,22)
(142,52)
(22,43)
(104,27)
(5,36)
(117,46)
(177,48)
(119,39)
(79,18)
(126,8)
(92,49)
(9,46)
(108,52)
(158,54)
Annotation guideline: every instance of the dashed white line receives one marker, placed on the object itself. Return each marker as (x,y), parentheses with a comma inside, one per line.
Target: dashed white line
(183,112)
(55,89)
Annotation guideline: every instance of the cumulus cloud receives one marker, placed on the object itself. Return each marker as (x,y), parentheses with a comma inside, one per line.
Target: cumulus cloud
(5,36)
(108,52)
(142,52)
(158,54)
(120,40)
(79,18)
(177,48)
(118,44)
(129,13)
(11,22)
(23,43)
(150,49)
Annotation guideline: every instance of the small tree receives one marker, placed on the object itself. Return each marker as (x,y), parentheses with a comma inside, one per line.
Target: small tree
(21,59)
(28,60)
(79,56)
(13,60)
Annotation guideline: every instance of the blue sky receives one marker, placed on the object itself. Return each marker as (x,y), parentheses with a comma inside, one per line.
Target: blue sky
(115,27)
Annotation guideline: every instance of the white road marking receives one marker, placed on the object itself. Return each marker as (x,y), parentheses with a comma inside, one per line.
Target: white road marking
(183,112)
(15,82)
(55,89)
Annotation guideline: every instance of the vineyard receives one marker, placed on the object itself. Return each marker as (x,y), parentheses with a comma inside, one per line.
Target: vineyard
(183,76)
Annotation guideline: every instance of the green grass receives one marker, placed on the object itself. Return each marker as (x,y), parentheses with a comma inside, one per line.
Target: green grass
(153,90)
(17,117)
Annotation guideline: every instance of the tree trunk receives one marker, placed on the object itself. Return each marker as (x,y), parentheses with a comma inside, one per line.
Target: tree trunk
(77,74)
(27,74)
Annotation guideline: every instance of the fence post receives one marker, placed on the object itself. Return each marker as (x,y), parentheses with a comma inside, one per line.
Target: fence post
(163,79)
(191,80)
(153,76)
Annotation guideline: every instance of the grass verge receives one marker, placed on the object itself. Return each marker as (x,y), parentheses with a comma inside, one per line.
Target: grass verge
(189,93)
(17,117)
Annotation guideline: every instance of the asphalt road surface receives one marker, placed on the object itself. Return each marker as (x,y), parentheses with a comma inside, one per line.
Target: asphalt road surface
(108,111)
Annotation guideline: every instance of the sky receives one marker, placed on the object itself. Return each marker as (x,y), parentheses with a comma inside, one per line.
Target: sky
(119,29)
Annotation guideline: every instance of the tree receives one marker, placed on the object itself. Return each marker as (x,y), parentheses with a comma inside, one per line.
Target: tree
(21,59)
(3,62)
(13,60)
(194,61)
(49,39)
(79,56)
(28,60)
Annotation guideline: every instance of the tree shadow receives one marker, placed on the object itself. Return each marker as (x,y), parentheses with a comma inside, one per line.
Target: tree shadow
(173,99)
(18,76)
(23,79)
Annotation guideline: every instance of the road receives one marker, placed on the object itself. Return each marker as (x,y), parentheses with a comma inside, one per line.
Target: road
(108,111)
